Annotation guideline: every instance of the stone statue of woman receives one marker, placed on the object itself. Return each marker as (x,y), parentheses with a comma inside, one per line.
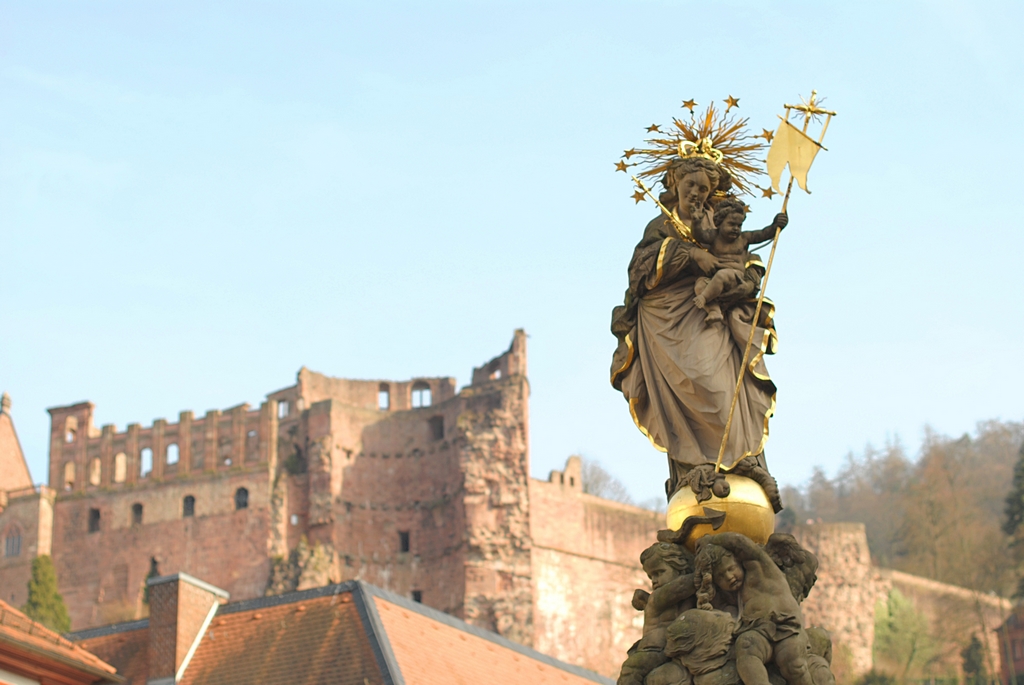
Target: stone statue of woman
(678,371)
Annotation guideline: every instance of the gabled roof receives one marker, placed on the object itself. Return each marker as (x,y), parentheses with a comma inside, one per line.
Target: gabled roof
(14,473)
(347,634)
(25,643)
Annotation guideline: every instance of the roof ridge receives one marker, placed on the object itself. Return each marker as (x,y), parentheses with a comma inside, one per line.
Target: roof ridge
(111,629)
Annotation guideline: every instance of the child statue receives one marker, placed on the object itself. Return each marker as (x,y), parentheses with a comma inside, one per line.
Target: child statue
(729,243)
(771,624)
(670,568)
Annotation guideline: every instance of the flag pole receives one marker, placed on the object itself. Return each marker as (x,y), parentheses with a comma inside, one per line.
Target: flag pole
(760,299)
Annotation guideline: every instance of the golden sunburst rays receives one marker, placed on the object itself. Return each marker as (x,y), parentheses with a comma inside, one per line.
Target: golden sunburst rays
(713,134)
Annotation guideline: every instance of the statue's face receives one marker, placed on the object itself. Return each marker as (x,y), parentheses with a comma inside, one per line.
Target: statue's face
(660,573)
(729,574)
(732,225)
(693,189)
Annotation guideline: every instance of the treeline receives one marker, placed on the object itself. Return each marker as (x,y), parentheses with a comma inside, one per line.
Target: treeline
(940,514)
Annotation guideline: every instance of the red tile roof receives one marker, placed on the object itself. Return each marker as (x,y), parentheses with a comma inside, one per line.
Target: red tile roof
(20,635)
(348,634)
(307,641)
(126,645)
(431,652)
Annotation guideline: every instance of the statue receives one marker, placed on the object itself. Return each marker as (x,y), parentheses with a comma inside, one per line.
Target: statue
(692,333)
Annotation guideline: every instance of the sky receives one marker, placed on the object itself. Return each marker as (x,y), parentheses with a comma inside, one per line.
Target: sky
(197,199)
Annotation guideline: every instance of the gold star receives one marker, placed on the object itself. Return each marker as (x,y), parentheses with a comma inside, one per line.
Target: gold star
(766,192)
(653,128)
(639,197)
(621,166)
(766,134)
(732,102)
(629,153)
(690,104)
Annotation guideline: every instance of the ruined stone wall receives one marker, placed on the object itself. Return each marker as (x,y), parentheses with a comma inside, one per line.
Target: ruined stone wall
(102,573)
(402,483)
(843,600)
(586,564)
(492,435)
(954,614)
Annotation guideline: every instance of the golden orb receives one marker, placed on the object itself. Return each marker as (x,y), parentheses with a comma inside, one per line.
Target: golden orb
(747,511)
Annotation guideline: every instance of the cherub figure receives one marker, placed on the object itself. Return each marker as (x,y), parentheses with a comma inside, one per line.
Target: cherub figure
(729,243)
(670,568)
(771,624)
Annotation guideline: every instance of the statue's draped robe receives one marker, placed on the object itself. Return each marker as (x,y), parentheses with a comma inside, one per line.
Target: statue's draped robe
(677,372)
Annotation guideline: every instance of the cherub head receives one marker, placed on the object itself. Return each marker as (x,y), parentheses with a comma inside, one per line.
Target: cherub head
(799,565)
(729,216)
(664,562)
(716,566)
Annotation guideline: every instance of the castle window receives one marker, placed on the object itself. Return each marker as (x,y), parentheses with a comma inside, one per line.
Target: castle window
(420,394)
(252,435)
(403,541)
(188,506)
(241,498)
(69,475)
(120,467)
(94,471)
(436,427)
(145,462)
(136,514)
(173,454)
(383,397)
(94,520)
(12,543)
(496,375)
(417,596)
(295,519)
(572,482)
(70,429)
(283,409)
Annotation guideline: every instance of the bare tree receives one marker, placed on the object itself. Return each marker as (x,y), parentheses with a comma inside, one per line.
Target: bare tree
(600,483)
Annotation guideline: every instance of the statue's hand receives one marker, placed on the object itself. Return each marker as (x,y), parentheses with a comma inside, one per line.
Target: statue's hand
(781,221)
(705,261)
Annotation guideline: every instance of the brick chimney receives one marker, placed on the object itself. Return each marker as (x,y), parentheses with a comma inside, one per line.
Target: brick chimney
(180,609)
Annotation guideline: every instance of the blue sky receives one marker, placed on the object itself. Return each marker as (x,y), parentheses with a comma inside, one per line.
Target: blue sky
(196,199)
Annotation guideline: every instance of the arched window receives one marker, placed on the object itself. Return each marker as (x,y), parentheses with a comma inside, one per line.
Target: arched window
(120,467)
(145,461)
(188,506)
(69,475)
(136,514)
(420,394)
(12,542)
(95,470)
(172,453)
(241,498)
(383,397)
(70,429)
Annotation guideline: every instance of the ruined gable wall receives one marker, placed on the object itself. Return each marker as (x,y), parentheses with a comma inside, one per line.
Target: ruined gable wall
(101,573)
(586,564)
